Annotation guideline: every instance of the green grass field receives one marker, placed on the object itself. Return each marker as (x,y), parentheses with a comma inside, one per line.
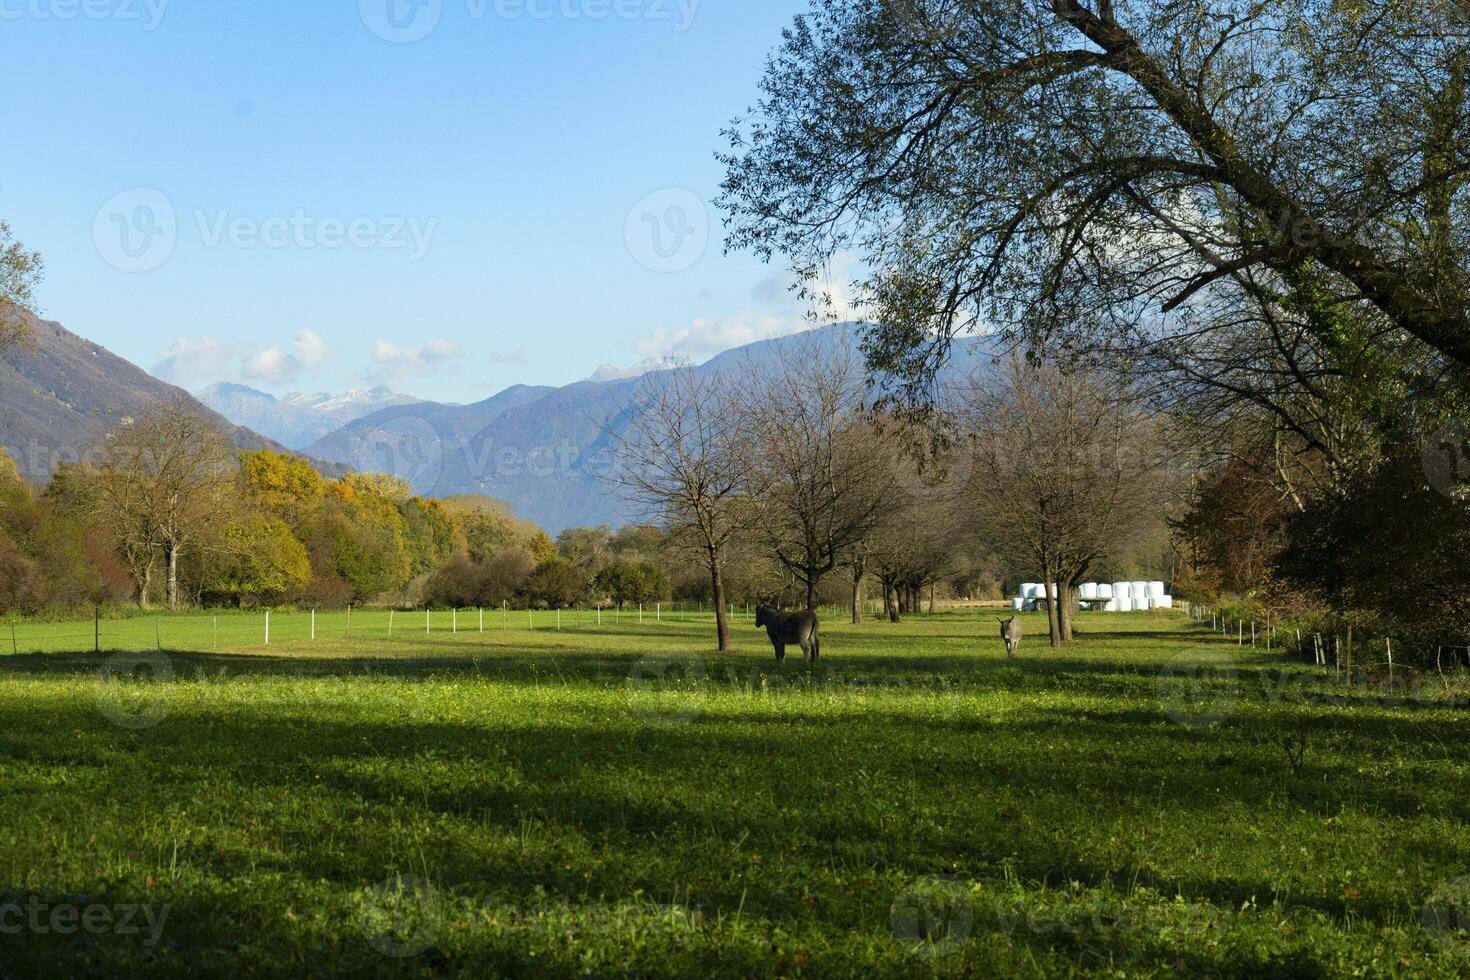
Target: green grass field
(621,800)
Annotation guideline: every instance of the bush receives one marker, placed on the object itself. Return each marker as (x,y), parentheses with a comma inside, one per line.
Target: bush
(554,585)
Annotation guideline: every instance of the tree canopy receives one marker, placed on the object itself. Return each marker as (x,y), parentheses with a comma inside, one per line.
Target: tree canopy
(1099,174)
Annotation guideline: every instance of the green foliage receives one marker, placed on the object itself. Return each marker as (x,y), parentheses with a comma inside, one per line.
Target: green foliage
(359,539)
(278,483)
(44,555)
(258,559)
(542,548)
(555,585)
(631,583)
(429,532)
(1392,547)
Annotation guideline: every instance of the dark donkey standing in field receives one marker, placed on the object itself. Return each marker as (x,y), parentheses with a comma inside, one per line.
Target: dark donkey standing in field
(799,628)
(1010,631)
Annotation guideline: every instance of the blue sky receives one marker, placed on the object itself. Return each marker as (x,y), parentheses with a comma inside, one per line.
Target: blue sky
(311,196)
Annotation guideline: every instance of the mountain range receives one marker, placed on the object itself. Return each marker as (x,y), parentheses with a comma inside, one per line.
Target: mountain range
(60,394)
(547,451)
(296,420)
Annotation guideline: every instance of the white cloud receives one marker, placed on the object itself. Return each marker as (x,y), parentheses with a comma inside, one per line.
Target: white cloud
(190,360)
(394,364)
(311,349)
(269,366)
(701,339)
(196,361)
(783,312)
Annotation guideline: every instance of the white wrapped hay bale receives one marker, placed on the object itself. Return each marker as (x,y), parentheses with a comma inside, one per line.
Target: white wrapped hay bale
(1112,605)
(1105,591)
(1125,604)
(1155,590)
(1122,590)
(1138,590)
(1165,602)
(1018,605)
(1029,590)
(1089,590)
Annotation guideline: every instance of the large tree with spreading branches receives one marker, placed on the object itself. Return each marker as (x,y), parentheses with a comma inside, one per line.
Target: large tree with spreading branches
(1096,174)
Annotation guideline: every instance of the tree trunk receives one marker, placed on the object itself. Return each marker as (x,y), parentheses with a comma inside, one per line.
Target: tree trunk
(1064,609)
(144,583)
(1049,575)
(811,594)
(857,595)
(173,578)
(717,584)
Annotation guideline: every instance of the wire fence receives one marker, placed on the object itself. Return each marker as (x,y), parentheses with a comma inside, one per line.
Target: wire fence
(248,631)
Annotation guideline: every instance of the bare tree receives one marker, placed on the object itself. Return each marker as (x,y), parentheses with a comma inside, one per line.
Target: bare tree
(1062,470)
(912,541)
(162,482)
(20,271)
(812,468)
(680,459)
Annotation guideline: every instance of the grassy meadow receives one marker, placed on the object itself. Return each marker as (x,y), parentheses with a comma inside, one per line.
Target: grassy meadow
(618,799)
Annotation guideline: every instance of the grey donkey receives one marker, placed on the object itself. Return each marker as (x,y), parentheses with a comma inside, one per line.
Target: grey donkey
(797,628)
(1010,631)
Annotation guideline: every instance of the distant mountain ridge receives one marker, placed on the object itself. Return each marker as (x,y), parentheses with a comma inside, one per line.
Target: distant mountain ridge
(297,420)
(59,396)
(547,451)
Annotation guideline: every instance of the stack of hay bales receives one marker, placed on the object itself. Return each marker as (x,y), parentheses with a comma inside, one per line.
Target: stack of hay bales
(1117,596)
